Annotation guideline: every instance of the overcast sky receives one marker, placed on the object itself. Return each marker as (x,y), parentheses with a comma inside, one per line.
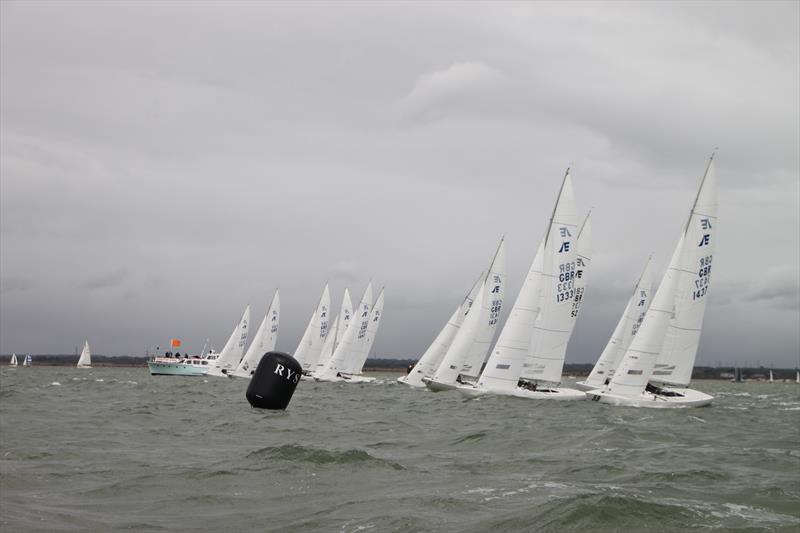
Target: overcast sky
(164,164)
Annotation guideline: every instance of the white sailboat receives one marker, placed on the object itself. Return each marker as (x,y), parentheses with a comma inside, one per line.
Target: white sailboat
(463,359)
(626,329)
(85,360)
(366,339)
(28,360)
(657,367)
(771,377)
(310,347)
(546,310)
(263,342)
(13,361)
(430,360)
(340,363)
(233,350)
(335,332)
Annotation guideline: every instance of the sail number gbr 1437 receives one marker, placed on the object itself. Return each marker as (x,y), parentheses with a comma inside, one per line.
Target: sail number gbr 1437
(703,278)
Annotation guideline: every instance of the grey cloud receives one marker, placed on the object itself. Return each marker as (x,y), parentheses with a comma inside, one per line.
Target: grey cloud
(106,280)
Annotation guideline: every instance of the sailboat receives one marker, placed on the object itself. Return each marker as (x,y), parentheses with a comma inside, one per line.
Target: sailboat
(13,361)
(310,347)
(365,340)
(28,360)
(657,367)
(233,350)
(623,334)
(528,358)
(335,332)
(737,375)
(85,360)
(340,363)
(771,377)
(464,357)
(263,342)
(430,360)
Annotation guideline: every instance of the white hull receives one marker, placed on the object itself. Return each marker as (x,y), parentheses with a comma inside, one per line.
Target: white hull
(560,393)
(344,378)
(684,398)
(84,366)
(438,386)
(404,381)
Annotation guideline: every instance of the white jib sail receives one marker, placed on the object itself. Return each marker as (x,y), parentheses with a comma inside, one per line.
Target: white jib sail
(13,361)
(367,337)
(675,362)
(554,325)
(468,349)
(310,347)
(85,359)
(335,332)
(626,329)
(231,354)
(264,340)
(505,363)
(432,357)
(340,361)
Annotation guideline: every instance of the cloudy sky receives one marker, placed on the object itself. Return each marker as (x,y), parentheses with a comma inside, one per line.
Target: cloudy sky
(164,164)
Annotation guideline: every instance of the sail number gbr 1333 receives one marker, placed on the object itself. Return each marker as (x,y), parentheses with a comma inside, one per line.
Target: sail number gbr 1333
(566,281)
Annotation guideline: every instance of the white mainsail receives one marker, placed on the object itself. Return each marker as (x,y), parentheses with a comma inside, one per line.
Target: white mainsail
(336,331)
(430,360)
(679,302)
(554,325)
(366,338)
(340,361)
(466,353)
(85,360)
(264,341)
(13,361)
(626,329)
(308,351)
(231,354)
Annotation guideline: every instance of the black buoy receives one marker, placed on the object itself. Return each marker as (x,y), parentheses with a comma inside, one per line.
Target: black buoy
(274,381)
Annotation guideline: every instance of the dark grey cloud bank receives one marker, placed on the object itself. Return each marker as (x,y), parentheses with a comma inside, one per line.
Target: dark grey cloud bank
(164,164)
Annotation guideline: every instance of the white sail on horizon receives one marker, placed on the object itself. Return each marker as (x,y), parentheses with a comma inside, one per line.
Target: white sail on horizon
(85,360)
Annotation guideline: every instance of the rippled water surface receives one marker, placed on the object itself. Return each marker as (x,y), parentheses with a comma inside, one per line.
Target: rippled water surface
(115,448)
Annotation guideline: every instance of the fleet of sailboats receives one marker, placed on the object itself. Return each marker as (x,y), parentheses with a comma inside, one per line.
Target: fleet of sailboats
(647,361)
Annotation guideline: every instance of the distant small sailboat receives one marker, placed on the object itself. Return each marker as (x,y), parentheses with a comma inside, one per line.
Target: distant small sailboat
(310,347)
(737,375)
(430,360)
(335,333)
(464,358)
(771,377)
(623,334)
(263,342)
(340,363)
(13,361)
(85,360)
(28,360)
(233,350)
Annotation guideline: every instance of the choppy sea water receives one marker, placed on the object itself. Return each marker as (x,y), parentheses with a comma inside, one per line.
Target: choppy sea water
(117,449)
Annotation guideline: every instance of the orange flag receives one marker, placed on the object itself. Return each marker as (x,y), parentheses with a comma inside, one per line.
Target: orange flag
(175,343)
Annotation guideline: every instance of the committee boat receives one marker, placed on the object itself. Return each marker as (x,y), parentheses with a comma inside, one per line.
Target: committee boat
(657,367)
(172,365)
